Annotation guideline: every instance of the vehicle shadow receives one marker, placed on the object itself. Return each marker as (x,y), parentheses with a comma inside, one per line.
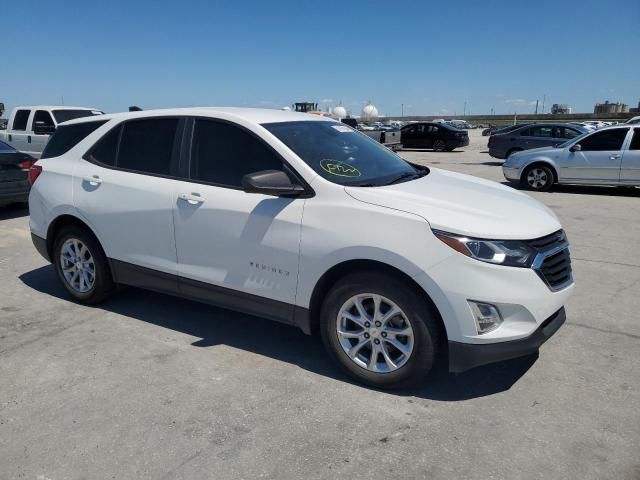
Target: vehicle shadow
(13,211)
(586,190)
(215,326)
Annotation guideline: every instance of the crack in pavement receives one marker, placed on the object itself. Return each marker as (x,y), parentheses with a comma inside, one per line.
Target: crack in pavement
(604,261)
(604,330)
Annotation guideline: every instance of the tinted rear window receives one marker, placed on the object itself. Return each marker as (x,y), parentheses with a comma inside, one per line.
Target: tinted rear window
(68,136)
(147,145)
(66,115)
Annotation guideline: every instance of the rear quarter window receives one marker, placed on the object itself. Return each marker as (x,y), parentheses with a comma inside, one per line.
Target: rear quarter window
(68,136)
(20,120)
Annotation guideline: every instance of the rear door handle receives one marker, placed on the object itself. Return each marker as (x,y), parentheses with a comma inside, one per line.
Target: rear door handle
(615,157)
(191,198)
(28,138)
(94,180)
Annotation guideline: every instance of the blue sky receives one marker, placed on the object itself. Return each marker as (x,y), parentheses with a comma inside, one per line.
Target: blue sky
(431,56)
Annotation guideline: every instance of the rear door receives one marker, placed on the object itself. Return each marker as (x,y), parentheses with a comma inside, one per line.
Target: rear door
(599,159)
(541,136)
(124,187)
(630,171)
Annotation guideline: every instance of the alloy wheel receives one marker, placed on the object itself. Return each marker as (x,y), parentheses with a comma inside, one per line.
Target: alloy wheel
(537,178)
(78,266)
(375,333)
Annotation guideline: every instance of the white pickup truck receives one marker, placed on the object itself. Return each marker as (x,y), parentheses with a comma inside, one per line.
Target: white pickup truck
(29,128)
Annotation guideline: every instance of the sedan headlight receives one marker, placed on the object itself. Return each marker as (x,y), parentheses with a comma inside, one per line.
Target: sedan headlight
(512,253)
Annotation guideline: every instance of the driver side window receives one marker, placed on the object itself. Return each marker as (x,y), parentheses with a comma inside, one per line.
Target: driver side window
(223,153)
(608,140)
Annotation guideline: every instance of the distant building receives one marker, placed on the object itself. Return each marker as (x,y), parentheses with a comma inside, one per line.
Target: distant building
(560,109)
(607,107)
(635,109)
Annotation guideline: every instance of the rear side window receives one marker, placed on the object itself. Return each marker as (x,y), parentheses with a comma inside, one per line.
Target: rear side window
(147,145)
(604,141)
(222,154)
(635,141)
(105,151)
(20,120)
(66,115)
(68,136)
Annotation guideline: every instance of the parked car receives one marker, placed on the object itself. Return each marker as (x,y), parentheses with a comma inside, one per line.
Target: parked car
(391,263)
(439,136)
(29,128)
(14,168)
(532,136)
(608,156)
(633,120)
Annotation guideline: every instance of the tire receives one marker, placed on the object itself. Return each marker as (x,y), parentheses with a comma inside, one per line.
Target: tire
(449,149)
(538,177)
(439,145)
(74,265)
(416,317)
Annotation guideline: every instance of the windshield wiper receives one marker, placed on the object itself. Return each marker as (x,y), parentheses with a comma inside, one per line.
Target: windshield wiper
(407,175)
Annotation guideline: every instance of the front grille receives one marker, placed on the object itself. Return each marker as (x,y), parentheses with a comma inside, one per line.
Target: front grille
(549,241)
(556,269)
(553,263)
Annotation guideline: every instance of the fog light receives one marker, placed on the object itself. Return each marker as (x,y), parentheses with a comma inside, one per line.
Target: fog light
(488,316)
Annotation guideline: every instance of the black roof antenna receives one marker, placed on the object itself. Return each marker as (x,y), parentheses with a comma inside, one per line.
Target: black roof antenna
(134,108)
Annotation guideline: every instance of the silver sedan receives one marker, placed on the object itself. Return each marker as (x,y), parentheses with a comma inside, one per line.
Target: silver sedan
(609,156)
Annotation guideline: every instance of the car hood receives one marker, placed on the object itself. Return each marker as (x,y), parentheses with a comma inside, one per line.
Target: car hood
(465,205)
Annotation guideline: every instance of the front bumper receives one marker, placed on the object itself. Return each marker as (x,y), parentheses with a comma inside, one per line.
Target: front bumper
(511,173)
(464,356)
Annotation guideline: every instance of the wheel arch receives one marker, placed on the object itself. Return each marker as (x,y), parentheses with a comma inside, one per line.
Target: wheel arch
(331,276)
(66,220)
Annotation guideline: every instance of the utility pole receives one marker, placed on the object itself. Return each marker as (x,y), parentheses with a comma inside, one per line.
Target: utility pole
(544,98)
(402,104)
(464,110)
(536,107)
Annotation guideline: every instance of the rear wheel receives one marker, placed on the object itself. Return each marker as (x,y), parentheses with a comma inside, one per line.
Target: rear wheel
(82,266)
(537,177)
(439,145)
(379,331)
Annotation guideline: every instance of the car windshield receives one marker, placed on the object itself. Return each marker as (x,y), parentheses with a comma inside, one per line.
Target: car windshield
(343,155)
(66,115)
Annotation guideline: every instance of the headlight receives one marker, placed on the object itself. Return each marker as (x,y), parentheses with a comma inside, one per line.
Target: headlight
(512,253)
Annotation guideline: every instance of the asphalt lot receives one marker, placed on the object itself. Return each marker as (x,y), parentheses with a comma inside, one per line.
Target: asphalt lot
(152,387)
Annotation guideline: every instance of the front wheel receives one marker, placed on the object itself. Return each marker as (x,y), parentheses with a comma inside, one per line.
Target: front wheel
(537,177)
(379,330)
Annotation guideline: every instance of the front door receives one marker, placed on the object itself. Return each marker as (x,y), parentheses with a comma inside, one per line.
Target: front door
(630,171)
(38,142)
(230,242)
(598,160)
(125,190)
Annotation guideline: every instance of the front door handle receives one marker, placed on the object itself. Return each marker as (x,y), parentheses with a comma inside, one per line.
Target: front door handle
(94,180)
(191,198)
(28,138)
(615,157)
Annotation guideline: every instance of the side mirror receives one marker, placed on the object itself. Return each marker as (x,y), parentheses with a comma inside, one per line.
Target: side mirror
(576,148)
(40,128)
(271,182)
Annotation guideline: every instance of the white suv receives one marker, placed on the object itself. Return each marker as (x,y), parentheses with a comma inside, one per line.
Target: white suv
(306,221)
